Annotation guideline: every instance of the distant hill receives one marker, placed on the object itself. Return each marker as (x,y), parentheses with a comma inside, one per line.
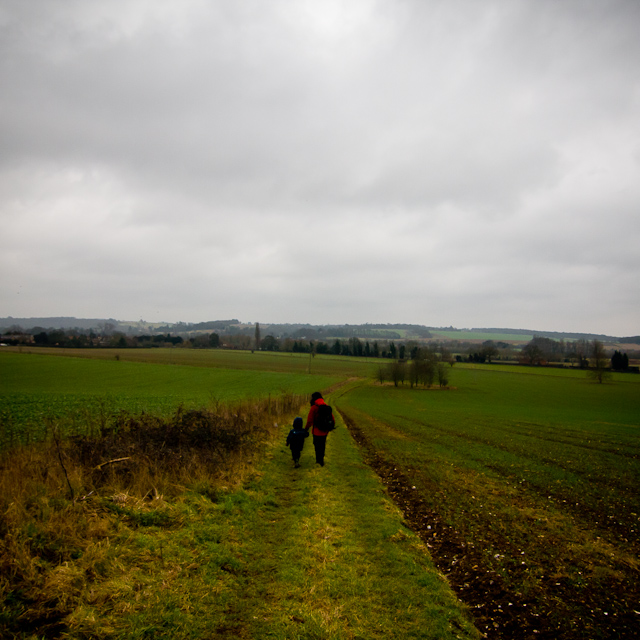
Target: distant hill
(324,333)
(59,322)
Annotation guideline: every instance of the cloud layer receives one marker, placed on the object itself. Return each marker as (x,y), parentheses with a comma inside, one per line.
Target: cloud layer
(453,162)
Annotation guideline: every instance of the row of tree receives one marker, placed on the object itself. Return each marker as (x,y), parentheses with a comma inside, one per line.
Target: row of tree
(86,339)
(539,351)
(348,347)
(59,338)
(585,354)
(542,350)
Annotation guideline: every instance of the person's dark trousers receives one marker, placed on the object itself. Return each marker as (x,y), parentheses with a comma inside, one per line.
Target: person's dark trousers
(295,454)
(319,443)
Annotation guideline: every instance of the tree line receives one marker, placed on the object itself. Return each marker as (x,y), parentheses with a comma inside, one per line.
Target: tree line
(79,339)
(109,338)
(581,353)
(539,351)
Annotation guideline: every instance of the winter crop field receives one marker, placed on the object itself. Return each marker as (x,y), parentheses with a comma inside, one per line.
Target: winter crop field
(219,359)
(525,483)
(80,392)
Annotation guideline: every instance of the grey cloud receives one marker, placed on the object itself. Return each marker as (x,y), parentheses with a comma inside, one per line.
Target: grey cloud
(471,160)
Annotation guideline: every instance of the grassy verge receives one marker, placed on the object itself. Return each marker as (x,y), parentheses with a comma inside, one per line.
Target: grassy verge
(76,513)
(212,547)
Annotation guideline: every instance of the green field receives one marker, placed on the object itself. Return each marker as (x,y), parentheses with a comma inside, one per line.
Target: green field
(478,335)
(532,477)
(79,392)
(281,362)
(542,435)
(521,481)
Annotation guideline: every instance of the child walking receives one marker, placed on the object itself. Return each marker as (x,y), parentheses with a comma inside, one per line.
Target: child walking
(295,440)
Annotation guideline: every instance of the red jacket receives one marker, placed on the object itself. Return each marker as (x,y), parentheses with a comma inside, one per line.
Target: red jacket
(312,417)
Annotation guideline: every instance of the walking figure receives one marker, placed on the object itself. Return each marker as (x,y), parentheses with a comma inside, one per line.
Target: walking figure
(295,440)
(321,419)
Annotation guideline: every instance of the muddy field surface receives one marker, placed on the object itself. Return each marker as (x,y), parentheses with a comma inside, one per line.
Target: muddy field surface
(558,612)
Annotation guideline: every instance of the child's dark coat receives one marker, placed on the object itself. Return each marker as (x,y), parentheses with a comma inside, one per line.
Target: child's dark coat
(295,439)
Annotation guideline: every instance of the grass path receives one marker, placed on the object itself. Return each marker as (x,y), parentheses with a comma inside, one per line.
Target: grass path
(310,553)
(325,555)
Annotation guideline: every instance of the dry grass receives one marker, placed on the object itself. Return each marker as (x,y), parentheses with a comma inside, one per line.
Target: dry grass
(64,502)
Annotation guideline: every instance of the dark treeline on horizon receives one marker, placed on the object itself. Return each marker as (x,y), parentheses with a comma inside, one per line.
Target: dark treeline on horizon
(540,351)
(299,331)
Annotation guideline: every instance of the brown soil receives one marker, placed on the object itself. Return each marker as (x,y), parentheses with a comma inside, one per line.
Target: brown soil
(558,612)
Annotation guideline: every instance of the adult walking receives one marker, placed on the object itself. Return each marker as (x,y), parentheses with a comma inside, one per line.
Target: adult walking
(321,421)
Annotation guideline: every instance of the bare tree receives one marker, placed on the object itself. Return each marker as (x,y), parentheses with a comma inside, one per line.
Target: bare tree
(489,350)
(531,354)
(443,375)
(397,371)
(598,362)
(579,351)
(428,368)
(447,356)
(414,373)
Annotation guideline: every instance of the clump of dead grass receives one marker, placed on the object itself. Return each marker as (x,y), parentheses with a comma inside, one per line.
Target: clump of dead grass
(62,501)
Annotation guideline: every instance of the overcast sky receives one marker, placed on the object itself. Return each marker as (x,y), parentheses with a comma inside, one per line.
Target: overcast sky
(456,162)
